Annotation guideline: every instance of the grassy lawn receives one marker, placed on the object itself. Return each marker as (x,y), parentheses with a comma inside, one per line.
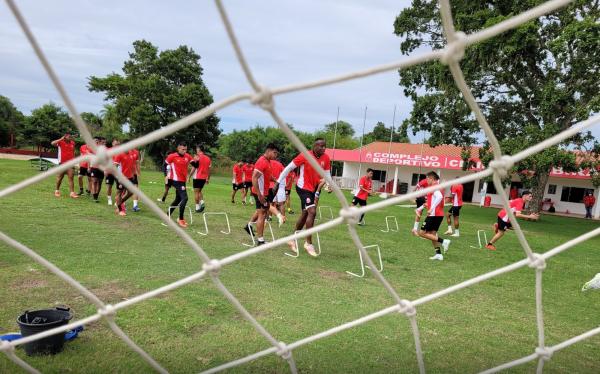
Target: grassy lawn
(195,328)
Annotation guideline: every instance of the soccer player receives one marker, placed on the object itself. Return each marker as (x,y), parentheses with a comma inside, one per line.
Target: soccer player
(238,179)
(135,154)
(364,191)
(110,179)
(201,176)
(247,169)
(456,190)
(435,216)
(261,177)
(96,174)
(168,182)
(289,182)
(66,152)
(179,162)
(308,187)
(83,170)
(126,162)
(516,206)
(423,183)
(278,196)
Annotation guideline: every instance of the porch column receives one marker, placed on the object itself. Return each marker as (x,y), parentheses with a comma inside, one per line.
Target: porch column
(596,210)
(395,187)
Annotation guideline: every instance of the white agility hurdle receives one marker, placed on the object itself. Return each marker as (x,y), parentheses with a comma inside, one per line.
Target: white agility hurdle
(215,214)
(177,207)
(267,223)
(362,264)
(387,224)
(479,237)
(321,213)
(296,255)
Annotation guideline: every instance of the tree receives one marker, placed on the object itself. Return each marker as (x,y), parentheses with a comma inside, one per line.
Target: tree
(111,125)
(344,129)
(11,122)
(531,82)
(93,121)
(45,124)
(158,88)
(249,145)
(381,133)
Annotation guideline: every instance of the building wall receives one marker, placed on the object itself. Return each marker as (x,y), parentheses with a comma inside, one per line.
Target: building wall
(350,175)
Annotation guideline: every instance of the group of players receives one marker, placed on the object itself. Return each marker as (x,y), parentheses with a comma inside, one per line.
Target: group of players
(127,162)
(270,184)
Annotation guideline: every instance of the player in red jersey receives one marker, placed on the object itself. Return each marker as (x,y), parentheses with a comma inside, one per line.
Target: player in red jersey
(365,186)
(516,206)
(308,186)
(247,170)
(456,191)
(423,183)
(96,174)
(83,170)
(66,152)
(179,162)
(200,177)
(435,216)
(135,154)
(289,182)
(126,163)
(110,179)
(261,177)
(238,179)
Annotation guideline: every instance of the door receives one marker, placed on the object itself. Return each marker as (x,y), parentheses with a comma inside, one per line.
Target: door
(468,191)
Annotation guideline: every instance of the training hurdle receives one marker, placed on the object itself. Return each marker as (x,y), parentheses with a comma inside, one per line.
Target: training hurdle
(267,223)
(317,248)
(321,213)
(387,224)
(177,207)
(362,264)
(215,214)
(479,237)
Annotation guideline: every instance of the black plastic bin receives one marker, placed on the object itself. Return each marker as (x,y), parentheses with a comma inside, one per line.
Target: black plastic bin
(41,320)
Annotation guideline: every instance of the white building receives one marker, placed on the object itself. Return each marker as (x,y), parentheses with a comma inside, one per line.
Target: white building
(407,163)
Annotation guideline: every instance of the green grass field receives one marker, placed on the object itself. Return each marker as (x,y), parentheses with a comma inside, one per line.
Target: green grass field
(195,328)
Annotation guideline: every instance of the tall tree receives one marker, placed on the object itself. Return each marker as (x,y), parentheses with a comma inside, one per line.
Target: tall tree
(45,124)
(157,88)
(93,121)
(11,122)
(111,124)
(531,82)
(343,128)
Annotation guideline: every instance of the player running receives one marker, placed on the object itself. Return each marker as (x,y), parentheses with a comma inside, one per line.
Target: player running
(308,187)
(83,170)
(435,216)
(261,178)
(179,162)
(456,191)
(200,176)
(238,179)
(126,162)
(516,206)
(66,152)
(423,183)
(247,170)
(365,186)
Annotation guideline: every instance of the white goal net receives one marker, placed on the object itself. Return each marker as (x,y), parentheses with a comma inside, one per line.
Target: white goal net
(264,98)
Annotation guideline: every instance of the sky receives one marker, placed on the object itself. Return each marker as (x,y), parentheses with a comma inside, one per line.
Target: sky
(284,42)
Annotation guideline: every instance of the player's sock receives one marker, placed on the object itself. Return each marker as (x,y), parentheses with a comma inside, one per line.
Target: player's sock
(449,227)
(261,239)
(109,199)
(456,232)
(201,202)
(416,226)
(440,240)
(135,203)
(438,251)
(197,206)
(95,196)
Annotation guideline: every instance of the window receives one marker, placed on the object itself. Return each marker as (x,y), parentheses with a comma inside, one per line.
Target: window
(379,175)
(416,178)
(551,189)
(573,194)
(491,188)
